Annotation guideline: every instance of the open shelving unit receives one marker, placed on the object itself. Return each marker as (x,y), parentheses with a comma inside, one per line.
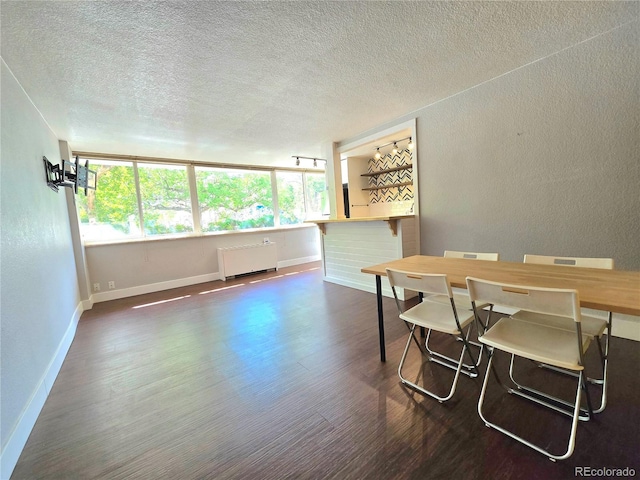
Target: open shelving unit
(388,170)
(392,185)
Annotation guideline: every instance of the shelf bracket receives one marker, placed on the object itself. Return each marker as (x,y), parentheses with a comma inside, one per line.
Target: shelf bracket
(393,225)
(323,228)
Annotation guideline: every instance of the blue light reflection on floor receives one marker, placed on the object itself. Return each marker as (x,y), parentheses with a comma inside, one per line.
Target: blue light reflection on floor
(258,322)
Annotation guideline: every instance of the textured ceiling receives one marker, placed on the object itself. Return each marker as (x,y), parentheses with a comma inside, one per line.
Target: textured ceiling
(257,82)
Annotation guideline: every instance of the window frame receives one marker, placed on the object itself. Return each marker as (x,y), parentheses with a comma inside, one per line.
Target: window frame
(253,176)
(195,204)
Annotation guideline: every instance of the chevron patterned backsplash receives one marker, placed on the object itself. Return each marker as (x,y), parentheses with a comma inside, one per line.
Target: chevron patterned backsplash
(391,194)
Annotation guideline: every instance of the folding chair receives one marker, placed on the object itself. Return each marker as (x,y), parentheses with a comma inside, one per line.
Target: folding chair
(436,317)
(560,348)
(594,327)
(462,299)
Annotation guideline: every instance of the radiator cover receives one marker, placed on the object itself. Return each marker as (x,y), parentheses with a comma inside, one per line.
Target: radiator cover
(246,259)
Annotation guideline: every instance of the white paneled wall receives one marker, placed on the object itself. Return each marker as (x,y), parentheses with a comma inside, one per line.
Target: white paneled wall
(350,246)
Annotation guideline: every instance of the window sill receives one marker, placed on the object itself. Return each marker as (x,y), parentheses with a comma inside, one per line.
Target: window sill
(161,238)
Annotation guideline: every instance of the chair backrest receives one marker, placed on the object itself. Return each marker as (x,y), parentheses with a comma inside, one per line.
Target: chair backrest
(419,282)
(554,301)
(604,263)
(472,255)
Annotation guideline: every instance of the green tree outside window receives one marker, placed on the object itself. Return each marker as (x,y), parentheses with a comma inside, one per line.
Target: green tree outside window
(233,199)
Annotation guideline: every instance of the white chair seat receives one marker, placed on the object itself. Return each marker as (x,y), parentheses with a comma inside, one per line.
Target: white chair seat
(591,326)
(437,316)
(541,343)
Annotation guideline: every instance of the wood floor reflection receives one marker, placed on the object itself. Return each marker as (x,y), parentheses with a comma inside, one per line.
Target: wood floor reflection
(277,375)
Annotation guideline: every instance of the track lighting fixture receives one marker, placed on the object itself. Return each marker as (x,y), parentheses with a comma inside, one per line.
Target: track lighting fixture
(396,149)
(315,160)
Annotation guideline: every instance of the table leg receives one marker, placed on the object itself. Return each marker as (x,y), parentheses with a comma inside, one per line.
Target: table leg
(423,332)
(383,355)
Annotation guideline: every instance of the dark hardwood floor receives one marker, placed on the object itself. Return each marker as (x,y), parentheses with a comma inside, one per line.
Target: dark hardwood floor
(276,376)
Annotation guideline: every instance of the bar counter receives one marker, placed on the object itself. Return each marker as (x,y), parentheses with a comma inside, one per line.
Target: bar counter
(350,244)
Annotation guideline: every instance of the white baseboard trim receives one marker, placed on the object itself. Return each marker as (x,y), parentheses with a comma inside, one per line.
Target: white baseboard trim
(357,285)
(179,282)
(626,326)
(18,438)
(371,288)
(154,287)
(299,261)
(88,304)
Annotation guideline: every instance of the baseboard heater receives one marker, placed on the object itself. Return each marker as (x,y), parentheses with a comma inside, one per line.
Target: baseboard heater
(234,261)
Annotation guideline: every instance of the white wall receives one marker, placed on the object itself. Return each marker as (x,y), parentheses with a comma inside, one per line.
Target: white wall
(152,265)
(38,288)
(76,238)
(542,160)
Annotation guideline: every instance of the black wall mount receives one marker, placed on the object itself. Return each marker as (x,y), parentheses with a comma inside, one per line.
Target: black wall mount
(70,174)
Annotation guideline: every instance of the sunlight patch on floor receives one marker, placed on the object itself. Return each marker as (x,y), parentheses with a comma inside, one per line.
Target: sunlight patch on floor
(265,279)
(221,288)
(161,301)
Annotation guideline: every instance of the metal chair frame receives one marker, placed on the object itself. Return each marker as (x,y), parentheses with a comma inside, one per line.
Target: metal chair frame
(440,298)
(508,296)
(602,382)
(470,343)
(435,357)
(587,262)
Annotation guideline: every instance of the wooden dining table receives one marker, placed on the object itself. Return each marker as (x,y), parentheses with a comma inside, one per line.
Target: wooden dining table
(608,290)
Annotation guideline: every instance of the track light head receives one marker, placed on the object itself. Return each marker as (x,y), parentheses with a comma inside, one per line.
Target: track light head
(395,149)
(315,160)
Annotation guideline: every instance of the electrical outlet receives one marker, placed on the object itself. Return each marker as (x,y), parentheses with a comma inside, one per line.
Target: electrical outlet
(96,287)
(265,240)
(112,285)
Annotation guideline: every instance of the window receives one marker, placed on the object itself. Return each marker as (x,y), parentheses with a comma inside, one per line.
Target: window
(316,201)
(301,196)
(139,199)
(165,199)
(290,197)
(231,199)
(111,211)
